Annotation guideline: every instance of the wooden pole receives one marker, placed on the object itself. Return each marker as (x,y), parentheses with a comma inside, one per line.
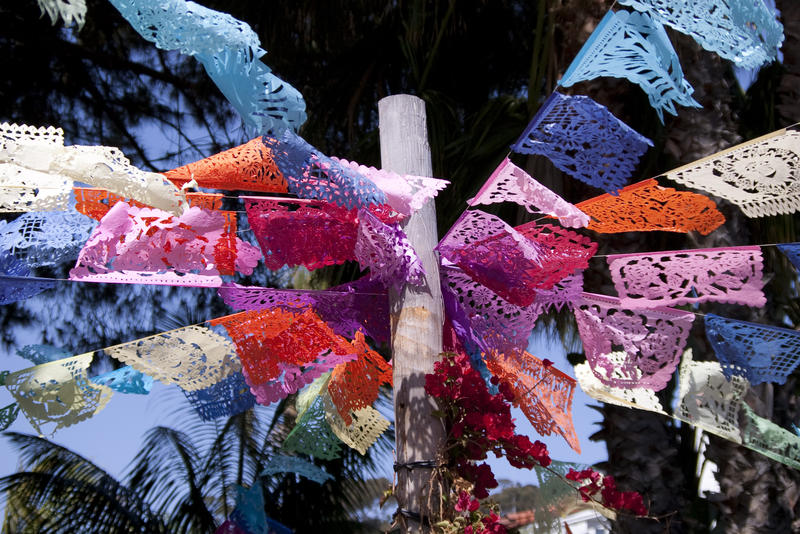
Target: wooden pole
(417,318)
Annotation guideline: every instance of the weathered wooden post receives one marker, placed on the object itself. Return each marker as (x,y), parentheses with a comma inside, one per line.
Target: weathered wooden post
(417,318)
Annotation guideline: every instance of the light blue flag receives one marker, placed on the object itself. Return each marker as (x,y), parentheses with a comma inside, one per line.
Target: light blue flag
(635,47)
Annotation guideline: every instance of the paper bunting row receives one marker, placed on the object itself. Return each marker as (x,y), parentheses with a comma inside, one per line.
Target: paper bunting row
(646,206)
(509,183)
(743,31)
(636,47)
(228,397)
(229,50)
(583,139)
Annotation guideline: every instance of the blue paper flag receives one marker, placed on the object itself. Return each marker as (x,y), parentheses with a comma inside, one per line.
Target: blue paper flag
(757,352)
(585,140)
(15,288)
(792,251)
(311,174)
(126,380)
(280,463)
(39,354)
(743,31)
(634,46)
(229,50)
(46,238)
(226,398)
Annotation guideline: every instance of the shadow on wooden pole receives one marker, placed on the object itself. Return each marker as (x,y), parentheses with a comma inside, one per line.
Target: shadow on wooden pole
(417,316)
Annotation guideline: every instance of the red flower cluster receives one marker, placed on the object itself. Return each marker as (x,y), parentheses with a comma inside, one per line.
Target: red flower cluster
(479,524)
(479,423)
(607,487)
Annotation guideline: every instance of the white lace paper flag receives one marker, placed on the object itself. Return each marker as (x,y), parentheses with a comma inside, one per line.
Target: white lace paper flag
(761,176)
(634,46)
(192,357)
(639,398)
(743,31)
(509,183)
(69,10)
(708,401)
(57,394)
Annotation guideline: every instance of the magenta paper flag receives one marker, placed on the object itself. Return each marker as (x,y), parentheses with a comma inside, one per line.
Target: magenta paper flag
(652,341)
(509,183)
(384,250)
(495,255)
(728,274)
(150,246)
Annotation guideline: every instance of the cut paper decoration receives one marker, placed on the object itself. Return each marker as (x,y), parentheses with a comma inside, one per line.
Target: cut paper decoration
(639,398)
(39,354)
(495,255)
(307,397)
(147,246)
(302,232)
(543,393)
(356,306)
(193,357)
(634,46)
(708,400)
(767,438)
(761,176)
(646,206)
(366,427)
(229,50)
(743,31)
(792,251)
(247,167)
(509,183)
(760,353)
(561,253)
(355,384)
(228,397)
(57,394)
(585,140)
(70,11)
(45,239)
(404,193)
(565,291)
(652,341)
(266,339)
(8,415)
(725,274)
(249,511)
(385,250)
(125,380)
(16,288)
(24,189)
(312,435)
(312,175)
(280,463)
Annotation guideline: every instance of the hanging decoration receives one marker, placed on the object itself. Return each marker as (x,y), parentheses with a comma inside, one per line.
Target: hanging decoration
(708,400)
(228,397)
(634,46)
(651,340)
(767,438)
(542,392)
(639,398)
(230,52)
(404,193)
(743,31)
(45,239)
(193,357)
(8,415)
(311,174)
(725,274)
(147,246)
(355,384)
(280,463)
(57,394)
(760,353)
(39,354)
(585,140)
(495,255)
(247,167)
(70,11)
(646,206)
(312,435)
(561,252)
(366,427)
(792,251)
(509,183)
(761,176)
(384,250)
(125,380)
(15,280)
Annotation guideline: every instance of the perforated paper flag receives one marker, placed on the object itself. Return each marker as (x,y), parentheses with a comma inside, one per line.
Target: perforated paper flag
(126,380)
(767,438)
(280,463)
(228,397)
(45,239)
(639,398)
